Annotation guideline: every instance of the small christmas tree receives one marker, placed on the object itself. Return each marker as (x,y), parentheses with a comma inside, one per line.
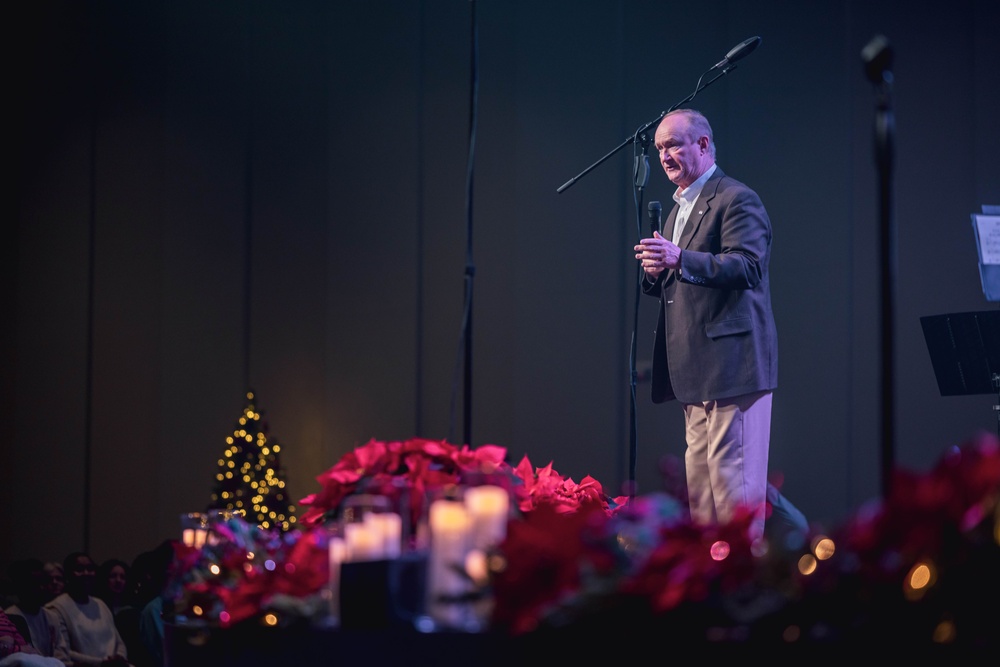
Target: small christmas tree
(250,480)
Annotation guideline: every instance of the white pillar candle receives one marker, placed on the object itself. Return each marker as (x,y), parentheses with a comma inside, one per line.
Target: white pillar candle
(338,554)
(194,529)
(449,524)
(194,537)
(488,508)
(388,526)
(363,541)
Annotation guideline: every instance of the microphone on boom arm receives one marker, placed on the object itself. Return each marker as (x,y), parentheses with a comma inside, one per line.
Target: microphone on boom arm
(738,52)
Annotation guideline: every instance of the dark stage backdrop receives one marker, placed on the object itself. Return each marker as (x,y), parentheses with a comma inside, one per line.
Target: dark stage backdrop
(211,197)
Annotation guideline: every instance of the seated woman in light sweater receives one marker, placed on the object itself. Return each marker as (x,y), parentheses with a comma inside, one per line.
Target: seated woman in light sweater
(15,651)
(87,633)
(29,583)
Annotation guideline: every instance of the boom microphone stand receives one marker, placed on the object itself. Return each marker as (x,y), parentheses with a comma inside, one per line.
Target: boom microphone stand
(877,58)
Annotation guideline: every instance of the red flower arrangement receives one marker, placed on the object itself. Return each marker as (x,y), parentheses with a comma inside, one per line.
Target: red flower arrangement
(548,556)
(924,559)
(409,472)
(243,569)
(912,567)
(405,473)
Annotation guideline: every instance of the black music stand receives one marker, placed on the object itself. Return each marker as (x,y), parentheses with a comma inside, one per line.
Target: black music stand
(965,353)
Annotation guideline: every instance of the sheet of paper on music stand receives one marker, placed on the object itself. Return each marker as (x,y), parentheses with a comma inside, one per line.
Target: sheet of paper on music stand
(987,228)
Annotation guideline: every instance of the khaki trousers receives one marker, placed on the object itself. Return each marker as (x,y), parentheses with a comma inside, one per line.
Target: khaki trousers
(726,458)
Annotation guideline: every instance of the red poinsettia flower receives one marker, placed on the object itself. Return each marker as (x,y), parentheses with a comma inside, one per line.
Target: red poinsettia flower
(926,516)
(548,487)
(404,472)
(342,479)
(692,561)
(306,568)
(545,553)
(243,600)
(484,460)
(185,556)
(971,475)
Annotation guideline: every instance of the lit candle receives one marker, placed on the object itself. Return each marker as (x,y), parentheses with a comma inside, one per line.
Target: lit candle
(363,541)
(488,507)
(194,537)
(388,527)
(338,554)
(449,523)
(194,529)
(476,566)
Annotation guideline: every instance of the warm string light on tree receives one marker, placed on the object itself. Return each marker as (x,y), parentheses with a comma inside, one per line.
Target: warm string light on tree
(250,479)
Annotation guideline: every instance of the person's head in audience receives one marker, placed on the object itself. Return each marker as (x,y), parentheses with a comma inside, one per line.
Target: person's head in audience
(29,584)
(81,575)
(56,579)
(150,570)
(112,582)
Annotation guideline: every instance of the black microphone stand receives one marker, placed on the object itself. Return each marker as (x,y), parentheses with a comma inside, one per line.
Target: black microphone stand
(877,57)
(641,177)
(640,173)
(465,345)
(470,267)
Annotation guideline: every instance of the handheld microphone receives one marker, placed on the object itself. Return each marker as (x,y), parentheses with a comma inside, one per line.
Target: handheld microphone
(653,210)
(741,50)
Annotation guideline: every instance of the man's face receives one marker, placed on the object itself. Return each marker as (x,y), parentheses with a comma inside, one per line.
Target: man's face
(684,158)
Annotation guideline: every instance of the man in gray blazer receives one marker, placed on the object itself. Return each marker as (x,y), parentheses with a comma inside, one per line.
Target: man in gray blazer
(715,349)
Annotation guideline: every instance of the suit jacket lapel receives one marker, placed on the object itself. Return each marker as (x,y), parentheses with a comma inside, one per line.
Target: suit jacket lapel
(701,208)
(668,226)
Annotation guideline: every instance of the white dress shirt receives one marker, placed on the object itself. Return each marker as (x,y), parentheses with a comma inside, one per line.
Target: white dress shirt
(685,199)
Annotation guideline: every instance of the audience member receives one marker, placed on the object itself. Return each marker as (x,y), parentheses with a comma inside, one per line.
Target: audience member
(141,623)
(16,651)
(87,631)
(57,580)
(151,628)
(112,584)
(30,586)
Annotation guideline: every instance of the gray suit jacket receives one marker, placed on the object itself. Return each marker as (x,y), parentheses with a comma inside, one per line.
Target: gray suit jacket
(716,336)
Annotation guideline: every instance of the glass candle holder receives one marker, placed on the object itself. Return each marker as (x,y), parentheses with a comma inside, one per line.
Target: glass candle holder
(194,529)
(450,539)
(489,507)
(372,531)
